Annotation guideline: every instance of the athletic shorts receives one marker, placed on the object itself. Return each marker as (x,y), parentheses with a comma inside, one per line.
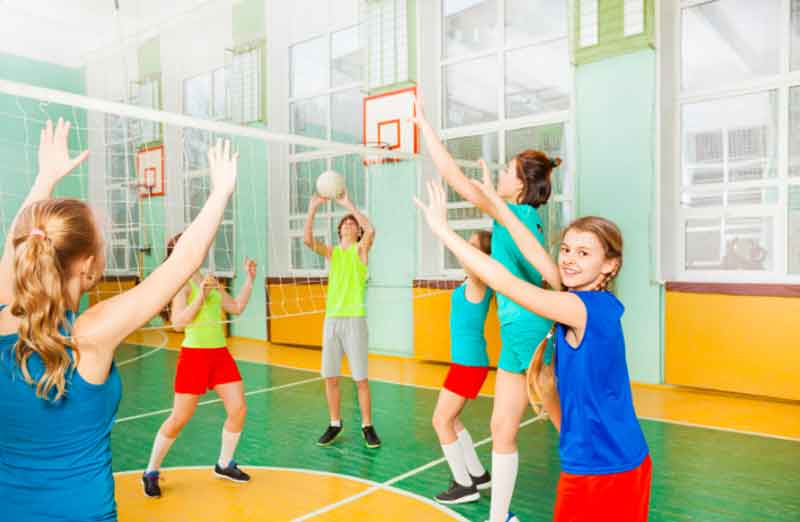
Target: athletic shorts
(465,381)
(201,369)
(519,341)
(345,336)
(605,498)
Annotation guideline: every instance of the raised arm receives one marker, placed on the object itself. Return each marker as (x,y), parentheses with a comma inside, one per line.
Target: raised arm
(183,313)
(563,307)
(530,247)
(446,165)
(101,328)
(236,306)
(363,221)
(54,164)
(308,232)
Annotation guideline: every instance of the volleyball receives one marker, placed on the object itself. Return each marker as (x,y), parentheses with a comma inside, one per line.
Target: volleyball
(330,184)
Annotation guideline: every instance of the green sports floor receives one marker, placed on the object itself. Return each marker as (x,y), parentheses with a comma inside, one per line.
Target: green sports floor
(699,474)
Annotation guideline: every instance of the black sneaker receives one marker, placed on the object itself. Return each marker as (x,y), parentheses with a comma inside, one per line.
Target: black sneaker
(371,437)
(232,472)
(482,482)
(330,435)
(150,483)
(458,494)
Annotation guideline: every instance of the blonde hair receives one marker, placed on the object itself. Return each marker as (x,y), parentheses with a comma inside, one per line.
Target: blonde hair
(610,237)
(48,238)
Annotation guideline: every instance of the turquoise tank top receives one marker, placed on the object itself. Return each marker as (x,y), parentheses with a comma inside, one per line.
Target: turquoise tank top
(467,320)
(55,457)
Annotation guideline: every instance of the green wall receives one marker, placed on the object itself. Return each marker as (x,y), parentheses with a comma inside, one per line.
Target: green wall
(616,145)
(393,257)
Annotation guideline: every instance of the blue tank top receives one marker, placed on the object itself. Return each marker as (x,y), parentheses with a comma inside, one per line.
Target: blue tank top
(600,433)
(506,251)
(467,343)
(55,457)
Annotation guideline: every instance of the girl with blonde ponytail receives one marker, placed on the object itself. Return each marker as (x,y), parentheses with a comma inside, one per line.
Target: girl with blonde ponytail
(59,388)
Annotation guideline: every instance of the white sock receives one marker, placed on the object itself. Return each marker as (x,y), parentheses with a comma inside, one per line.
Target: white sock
(455,459)
(504,477)
(336,423)
(161,447)
(474,465)
(229,442)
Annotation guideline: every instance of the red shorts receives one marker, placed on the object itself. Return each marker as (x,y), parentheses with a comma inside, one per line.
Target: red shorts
(605,498)
(465,381)
(200,369)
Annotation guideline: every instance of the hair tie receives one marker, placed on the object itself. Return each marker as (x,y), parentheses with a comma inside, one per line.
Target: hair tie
(38,232)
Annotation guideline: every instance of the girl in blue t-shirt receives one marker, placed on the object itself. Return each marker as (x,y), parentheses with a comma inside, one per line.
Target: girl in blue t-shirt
(604,456)
(524,185)
(469,304)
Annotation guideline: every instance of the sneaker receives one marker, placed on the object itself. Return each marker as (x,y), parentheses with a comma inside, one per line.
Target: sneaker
(458,494)
(482,482)
(330,435)
(232,472)
(371,437)
(150,483)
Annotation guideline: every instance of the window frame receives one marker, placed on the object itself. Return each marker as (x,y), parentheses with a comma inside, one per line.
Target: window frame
(330,213)
(779,211)
(503,124)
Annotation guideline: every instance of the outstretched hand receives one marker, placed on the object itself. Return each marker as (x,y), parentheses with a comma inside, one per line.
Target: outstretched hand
(436,211)
(54,160)
(223,166)
(250,268)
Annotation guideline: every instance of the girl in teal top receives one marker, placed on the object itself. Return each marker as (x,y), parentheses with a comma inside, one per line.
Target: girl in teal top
(469,305)
(59,388)
(524,185)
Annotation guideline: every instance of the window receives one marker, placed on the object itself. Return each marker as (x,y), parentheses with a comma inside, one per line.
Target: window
(122,199)
(326,77)
(204,97)
(506,88)
(736,191)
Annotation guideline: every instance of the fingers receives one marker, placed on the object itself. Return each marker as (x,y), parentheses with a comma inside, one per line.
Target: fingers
(420,205)
(79,159)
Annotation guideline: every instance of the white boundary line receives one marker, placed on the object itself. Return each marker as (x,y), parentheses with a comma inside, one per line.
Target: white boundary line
(488,395)
(374,485)
(388,484)
(212,401)
(717,428)
(165,340)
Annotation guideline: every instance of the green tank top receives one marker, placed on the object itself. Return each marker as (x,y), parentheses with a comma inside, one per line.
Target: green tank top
(206,330)
(347,282)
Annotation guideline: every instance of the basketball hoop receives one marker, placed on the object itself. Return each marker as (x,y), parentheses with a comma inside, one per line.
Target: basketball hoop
(150,171)
(375,159)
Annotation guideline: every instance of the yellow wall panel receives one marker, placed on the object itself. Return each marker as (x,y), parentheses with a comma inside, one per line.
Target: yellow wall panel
(432,326)
(744,344)
(296,313)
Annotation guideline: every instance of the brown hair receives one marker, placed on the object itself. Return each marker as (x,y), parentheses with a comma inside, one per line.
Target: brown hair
(166,313)
(534,169)
(610,237)
(353,218)
(49,237)
(485,241)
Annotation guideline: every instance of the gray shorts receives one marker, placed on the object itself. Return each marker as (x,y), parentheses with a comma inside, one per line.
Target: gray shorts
(345,335)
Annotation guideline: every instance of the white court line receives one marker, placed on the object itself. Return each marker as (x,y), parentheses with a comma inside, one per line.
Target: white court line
(398,491)
(164,341)
(387,484)
(717,428)
(489,395)
(212,401)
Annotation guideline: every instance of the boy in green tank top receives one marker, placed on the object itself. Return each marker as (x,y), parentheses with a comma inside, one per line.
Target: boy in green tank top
(345,329)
